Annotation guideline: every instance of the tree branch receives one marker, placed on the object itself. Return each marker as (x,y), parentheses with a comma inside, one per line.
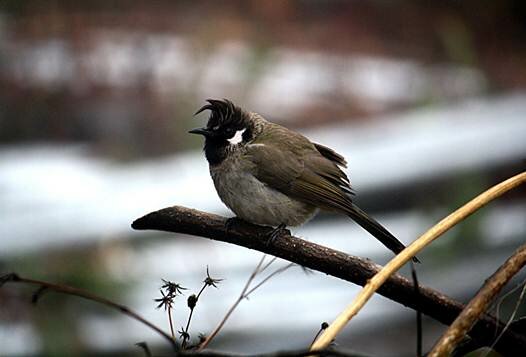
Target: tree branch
(179,219)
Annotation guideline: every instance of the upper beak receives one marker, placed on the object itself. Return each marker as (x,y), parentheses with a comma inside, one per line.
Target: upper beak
(200,131)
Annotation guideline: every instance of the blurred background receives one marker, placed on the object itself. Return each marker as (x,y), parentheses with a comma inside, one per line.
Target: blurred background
(426,100)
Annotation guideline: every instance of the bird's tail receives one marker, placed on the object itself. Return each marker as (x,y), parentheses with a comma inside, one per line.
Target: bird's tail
(376,229)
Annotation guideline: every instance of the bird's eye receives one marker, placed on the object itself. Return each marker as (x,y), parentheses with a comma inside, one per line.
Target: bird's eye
(229,130)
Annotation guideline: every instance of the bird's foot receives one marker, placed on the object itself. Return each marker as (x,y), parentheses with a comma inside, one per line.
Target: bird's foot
(276,232)
(230,222)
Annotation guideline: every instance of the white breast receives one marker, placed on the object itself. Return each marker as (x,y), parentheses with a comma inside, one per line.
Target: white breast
(254,201)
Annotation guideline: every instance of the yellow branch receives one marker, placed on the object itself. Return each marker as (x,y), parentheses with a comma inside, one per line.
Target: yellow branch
(398,261)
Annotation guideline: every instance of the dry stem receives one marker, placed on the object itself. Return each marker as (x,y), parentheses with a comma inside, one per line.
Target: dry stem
(397,262)
(69,290)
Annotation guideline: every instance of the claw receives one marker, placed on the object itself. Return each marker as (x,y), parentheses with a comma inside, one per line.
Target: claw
(229,224)
(276,232)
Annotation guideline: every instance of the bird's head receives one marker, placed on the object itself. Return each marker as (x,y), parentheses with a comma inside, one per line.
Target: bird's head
(228,127)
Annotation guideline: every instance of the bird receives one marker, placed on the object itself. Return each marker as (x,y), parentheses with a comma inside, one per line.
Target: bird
(270,175)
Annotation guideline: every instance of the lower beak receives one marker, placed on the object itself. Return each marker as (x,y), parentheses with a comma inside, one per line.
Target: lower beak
(200,131)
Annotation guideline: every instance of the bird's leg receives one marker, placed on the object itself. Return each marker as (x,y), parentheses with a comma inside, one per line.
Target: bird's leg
(276,232)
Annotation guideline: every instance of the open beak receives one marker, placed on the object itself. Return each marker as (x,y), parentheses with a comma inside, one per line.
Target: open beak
(200,131)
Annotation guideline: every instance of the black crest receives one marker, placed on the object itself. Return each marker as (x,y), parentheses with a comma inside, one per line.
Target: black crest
(224,113)
(225,120)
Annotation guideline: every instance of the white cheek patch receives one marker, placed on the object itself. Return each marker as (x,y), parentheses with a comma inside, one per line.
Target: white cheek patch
(237,138)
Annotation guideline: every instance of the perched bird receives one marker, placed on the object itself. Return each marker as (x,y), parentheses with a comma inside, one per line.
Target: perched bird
(270,175)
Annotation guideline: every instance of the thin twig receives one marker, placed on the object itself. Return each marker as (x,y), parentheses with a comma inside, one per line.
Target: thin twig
(323,326)
(505,296)
(511,318)
(275,272)
(418,312)
(171,322)
(219,326)
(268,264)
(186,335)
(144,347)
(69,290)
(255,272)
(479,304)
(245,294)
(403,257)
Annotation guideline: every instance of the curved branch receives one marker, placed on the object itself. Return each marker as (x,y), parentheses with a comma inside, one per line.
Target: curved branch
(70,290)
(179,219)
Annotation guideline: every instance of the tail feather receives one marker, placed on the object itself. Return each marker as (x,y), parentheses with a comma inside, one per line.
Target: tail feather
(376,229)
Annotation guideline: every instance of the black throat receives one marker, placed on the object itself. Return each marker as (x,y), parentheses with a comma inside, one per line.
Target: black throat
(215,151)
(218,148)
